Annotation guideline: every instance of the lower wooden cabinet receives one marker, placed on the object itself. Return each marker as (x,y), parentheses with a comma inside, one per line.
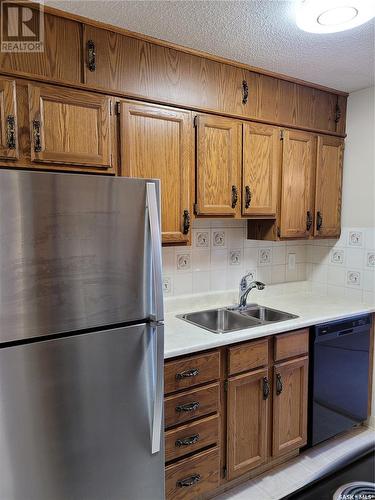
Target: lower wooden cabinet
(247,421)
(290,389)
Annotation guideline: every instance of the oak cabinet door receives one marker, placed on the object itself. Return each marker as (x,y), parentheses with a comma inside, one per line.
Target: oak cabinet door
(156,142)
(260,169)
(60,58)
(8,120)
(218,165)
(247,424)
(296,184)
(69,127)
(328,186)
(290,386)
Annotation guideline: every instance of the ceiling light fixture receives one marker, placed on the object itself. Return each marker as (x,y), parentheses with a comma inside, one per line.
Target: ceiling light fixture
(330,16)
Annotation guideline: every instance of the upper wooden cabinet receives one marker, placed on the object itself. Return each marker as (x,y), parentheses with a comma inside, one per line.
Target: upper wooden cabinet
(290,393)
(8,120)
(328,186)
(69,127)
(61,55)
(218,168)
(296,217)
(156,142)
(247,422)
(260,169)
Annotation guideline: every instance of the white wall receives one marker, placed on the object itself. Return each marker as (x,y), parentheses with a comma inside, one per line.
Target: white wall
(359,161)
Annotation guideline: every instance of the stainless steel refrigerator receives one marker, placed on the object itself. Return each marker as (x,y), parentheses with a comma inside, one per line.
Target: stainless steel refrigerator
(81,338)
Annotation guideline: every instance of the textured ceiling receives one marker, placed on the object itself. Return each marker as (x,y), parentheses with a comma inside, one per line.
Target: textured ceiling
(259,33)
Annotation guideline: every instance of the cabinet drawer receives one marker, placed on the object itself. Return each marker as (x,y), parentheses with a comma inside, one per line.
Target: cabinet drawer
(291,344)
(191,437)
(193,476)
(187,372)
(187,405)
(247,356)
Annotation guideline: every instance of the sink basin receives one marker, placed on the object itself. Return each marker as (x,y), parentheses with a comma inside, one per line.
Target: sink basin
(266,314)
(220,320)
(226,319)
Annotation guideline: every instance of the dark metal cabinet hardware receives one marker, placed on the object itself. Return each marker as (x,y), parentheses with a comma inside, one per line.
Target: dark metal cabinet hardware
(319,221)
(11,132)
(279,384)
(188,441)
(193,372)
(337,113)
(37,136)
(308,220)
(189,481)
(187,407)
(266,388)
(245,92)
(186,224)
(234,196)
(248,196)
(91,55)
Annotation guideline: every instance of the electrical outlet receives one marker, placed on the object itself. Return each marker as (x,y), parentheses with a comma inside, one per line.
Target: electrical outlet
(291,261)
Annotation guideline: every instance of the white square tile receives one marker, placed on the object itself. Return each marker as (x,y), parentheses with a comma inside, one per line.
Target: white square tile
(355,238)
(279,255)
(337,256)
(278,274)
(354,257)
(336,291)
(353,278)
(251,257)
(336,276)
(201,259)
(219,258)
(183,261)
(368,280)
(370,259)
(201,223)
(319,273)
(320,255)
(218,280)
(183,283)
(355,294)
(249,243)
(235,257)
(369,297)
(264,274)
(234,276)
(370,238)
(168,260)
(235,237)
(201,238)
(201,281)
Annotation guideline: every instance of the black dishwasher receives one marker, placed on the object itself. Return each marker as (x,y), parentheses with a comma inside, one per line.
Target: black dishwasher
(339,377)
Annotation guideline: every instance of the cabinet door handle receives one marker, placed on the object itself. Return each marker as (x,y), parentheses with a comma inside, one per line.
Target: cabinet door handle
(279,384)
(91,55)
(188,441)
(234,196)
(337,113)
(193,372)
(37,136)
(266,388)
(187,407)
(248,196)
(319,220)
(186,223)
(308,220)
(11,132)
(189,481)
(245,92)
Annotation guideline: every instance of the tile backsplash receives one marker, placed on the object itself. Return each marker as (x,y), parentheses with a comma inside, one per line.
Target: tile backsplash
(220,255)
(344,267)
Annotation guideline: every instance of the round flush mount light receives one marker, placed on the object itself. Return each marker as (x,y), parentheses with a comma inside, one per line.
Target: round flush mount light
(330,16)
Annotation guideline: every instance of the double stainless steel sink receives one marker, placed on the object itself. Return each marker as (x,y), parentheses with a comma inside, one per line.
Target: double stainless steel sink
(230,319)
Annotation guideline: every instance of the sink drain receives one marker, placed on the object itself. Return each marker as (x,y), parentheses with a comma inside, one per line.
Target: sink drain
(360,490)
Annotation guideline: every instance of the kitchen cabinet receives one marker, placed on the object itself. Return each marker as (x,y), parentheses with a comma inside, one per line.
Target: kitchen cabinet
(60,58)
(260,169)
(69,127)
(8,120)
(156,142)
(297,174)
(247,421)
(218,166)
(290,386)
(328,183)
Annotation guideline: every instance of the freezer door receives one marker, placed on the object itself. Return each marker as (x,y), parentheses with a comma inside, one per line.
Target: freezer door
(75,252)
(77,417)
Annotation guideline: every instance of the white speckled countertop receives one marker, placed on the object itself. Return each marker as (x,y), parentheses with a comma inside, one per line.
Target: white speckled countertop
(296,298)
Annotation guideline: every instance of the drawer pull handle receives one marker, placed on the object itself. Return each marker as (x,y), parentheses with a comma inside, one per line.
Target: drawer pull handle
(245,92)
(11,132)
(193,372)
(309,220)
(248,196)
(91,55)
(37,136)
(186,224)
(319,221)
(279,384)
(187,441)
(234,196)
(187,407)
(189,481)
(266,388)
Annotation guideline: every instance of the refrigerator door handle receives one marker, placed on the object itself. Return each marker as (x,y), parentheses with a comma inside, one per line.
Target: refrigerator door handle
(153,215)
(158,343)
